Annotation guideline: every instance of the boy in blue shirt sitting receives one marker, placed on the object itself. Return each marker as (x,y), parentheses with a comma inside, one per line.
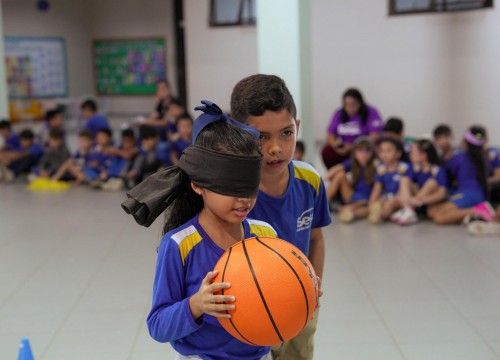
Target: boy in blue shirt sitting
(184,125)
(10,138)
(93,121)
(291,195)
(20,161)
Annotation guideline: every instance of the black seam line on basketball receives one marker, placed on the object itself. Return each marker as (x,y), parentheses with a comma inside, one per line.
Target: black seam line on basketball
(222,280)
(260,293)
(291,268)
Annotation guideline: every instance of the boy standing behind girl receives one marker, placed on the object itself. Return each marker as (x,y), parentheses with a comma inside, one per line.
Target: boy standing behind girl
(291,193)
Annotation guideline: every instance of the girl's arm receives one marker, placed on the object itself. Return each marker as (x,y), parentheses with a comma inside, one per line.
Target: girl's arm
(433,198)
(174,158)
(62,169)
(332,141)
(376,192)
(333,171)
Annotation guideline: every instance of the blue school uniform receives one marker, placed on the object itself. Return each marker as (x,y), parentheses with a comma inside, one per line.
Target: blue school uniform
(303,207)
(469,191)
(179,146)
(390,179)
(12,143)
(96,162)
(436,172)
(493,158)
(362,189)
(185,256)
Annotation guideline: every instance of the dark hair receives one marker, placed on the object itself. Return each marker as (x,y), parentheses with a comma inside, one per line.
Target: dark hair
(363,109)
(442,130)
(163,81)
(57,134)
(106,131)
(176,101)
(148,132)
(356,168)
(259,93)
(301,146)
(51,114)
(26,134)
(184,116)
(5,124)
(87,134)
(394,126)
(128,133)
(398,145)
(90,105)
(477,155)
(219,136)
(427,147)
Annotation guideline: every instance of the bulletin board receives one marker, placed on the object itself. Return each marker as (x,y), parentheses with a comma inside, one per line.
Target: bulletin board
(36,67)
(129,66)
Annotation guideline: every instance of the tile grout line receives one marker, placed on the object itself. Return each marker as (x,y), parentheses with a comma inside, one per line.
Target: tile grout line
(459,312)
(79,297)
(367,293)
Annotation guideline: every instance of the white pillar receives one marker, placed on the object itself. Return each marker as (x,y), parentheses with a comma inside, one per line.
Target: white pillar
(284,49)
(4,97)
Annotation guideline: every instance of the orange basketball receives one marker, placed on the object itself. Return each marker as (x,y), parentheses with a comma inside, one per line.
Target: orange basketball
(275,287)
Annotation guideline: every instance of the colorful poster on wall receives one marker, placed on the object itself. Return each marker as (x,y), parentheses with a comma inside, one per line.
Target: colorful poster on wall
(129,66)
(36,67)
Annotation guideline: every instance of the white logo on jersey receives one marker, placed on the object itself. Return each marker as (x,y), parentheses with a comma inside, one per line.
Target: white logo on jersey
(350,128)
(305,220)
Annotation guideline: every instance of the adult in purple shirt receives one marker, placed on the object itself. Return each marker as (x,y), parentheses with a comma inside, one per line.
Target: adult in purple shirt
(353,120)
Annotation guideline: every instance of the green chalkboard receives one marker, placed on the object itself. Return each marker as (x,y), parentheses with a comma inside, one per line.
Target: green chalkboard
(129,66)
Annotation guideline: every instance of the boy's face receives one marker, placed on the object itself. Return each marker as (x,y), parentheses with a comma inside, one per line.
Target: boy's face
(443,142)
(87,113)
(4,132)
(102,139)
(150,143)
(84,142)
(25,143)
(388,153)
(128,142)
(278,135)
(175,110)
(298,154)
(56,121)
(55,143)
(185,129)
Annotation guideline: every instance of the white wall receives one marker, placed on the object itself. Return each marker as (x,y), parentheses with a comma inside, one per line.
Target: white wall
(68,19)
(425,68)
(216,58)
(133,18)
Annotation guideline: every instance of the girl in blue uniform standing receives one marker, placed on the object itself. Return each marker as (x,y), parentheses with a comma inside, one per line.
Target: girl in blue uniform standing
(470,171)
(205,214)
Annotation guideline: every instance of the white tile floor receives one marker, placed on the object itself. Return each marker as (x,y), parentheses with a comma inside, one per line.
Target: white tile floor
(76,275)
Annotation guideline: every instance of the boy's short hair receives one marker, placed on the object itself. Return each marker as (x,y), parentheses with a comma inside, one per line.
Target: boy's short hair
(106,131)
(259,93)
(57,134)
(128,133)
(5,124)
(89,104)
(176,101)
(27,134)
(442,130)
(148,132)
(49,115)
(300,146)
(86,133)
(184,116)
(394,125)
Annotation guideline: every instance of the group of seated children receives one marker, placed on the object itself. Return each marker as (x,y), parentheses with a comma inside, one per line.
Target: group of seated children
(392,180)
(97,161)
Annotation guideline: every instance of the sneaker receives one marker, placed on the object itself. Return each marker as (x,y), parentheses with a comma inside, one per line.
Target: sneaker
(375,215)
(8,175)
(408,216)
(396,216)
(346,215)
(114,184)
(485,211)
(480,228)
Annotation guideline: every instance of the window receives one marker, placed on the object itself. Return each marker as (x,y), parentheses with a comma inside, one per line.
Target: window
(232,12)
(397,7)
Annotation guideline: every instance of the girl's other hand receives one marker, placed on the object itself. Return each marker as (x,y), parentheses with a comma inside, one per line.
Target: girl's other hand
(206,302)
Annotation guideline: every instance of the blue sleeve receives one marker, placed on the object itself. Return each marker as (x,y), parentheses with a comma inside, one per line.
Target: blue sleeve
(170,316)
(442,177)
(409,172)
(347,164)
(453,164)
(379,178)
(495,163)
(321,216)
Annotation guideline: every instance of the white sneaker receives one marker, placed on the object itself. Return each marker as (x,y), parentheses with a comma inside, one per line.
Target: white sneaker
(114,184)
(346,215)
(408,216)
(482,228)
(375,215)
(396,216)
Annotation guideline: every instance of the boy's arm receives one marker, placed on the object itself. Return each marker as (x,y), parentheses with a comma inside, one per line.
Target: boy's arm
(376,192)
(317,251)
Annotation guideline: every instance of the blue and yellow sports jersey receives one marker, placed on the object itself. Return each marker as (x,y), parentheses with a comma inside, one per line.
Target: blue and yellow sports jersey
(436,172)
(390,179)
(185,256)
(303,207)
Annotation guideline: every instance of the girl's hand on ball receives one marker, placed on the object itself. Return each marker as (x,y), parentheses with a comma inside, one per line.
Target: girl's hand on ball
(206,302)
(320,292)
